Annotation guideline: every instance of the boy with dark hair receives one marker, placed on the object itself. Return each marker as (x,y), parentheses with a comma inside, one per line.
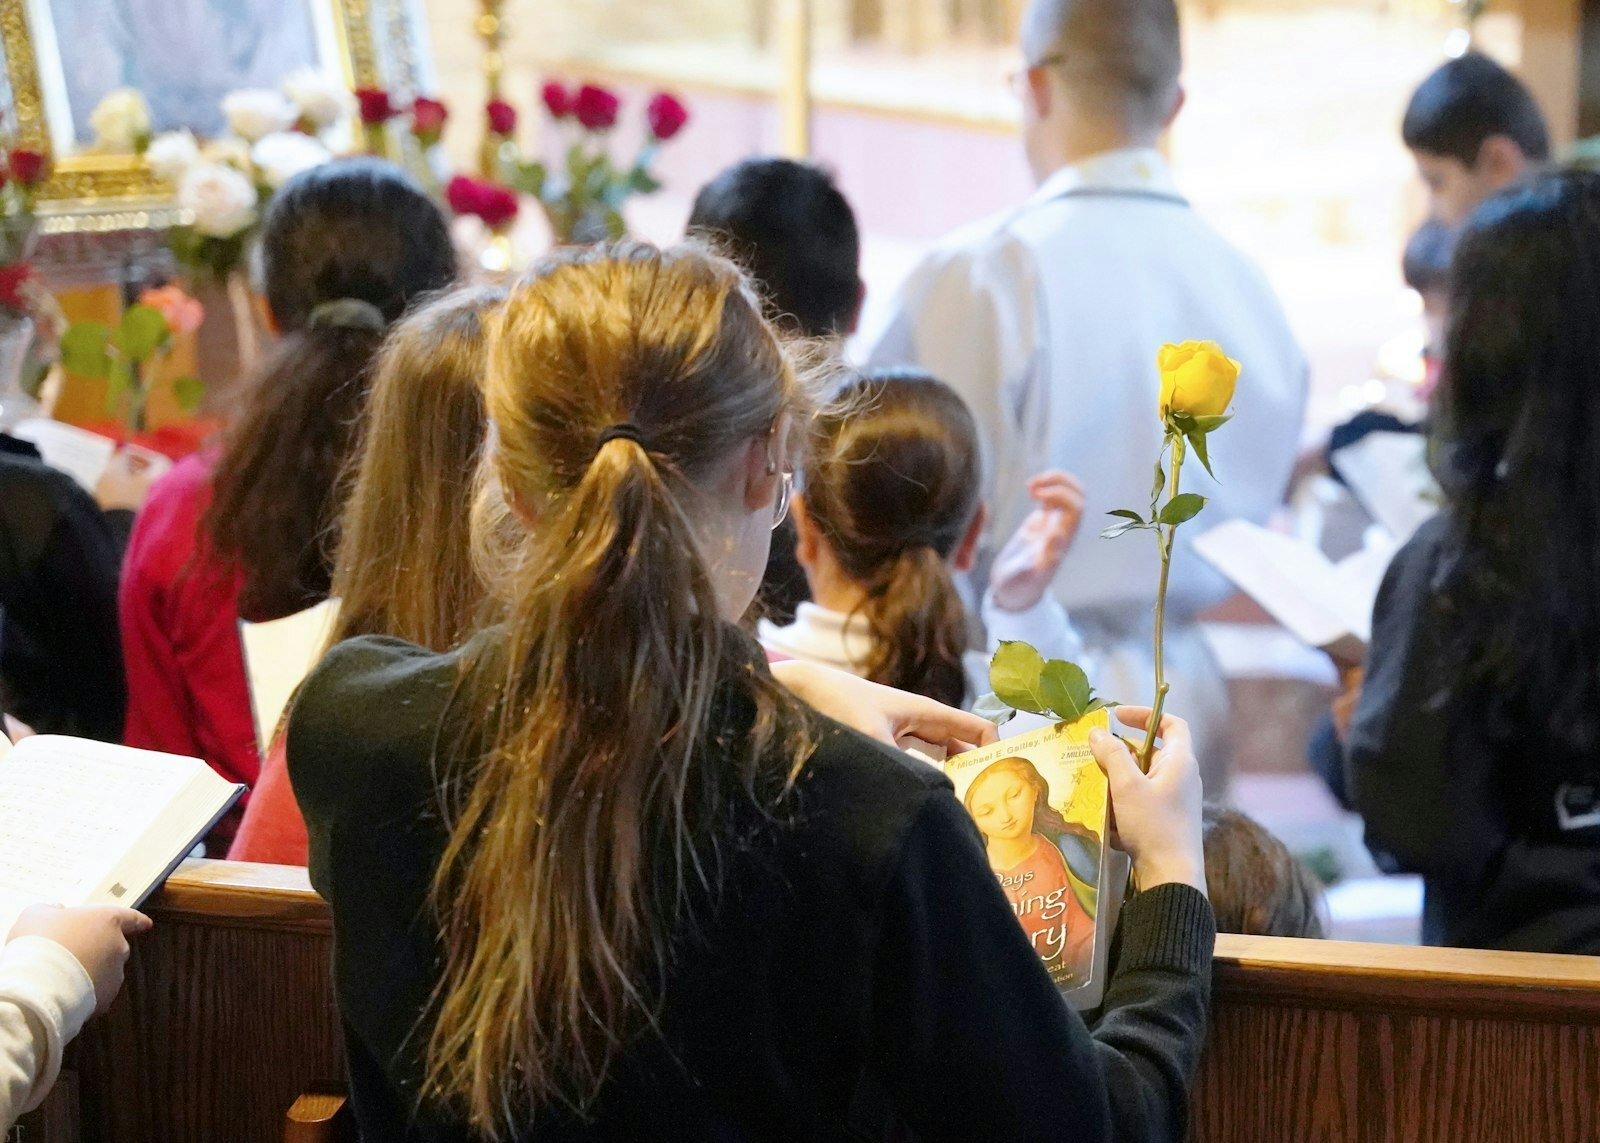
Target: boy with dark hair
(1473,129)
(794,233)
(789,226)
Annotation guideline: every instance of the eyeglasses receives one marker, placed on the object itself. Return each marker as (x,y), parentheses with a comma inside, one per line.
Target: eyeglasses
(785,495)
(1014,78)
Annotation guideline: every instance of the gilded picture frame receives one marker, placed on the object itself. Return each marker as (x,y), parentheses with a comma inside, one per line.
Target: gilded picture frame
(374,43)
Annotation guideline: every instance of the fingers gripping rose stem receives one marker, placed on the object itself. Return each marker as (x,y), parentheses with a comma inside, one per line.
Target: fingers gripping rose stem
(1165,544)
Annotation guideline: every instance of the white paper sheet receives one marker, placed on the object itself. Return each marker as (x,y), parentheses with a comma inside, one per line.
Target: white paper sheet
(77,452)
(1388,473)
(278,655)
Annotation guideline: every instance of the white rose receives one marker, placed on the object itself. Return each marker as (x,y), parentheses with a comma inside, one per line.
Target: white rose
(121,121)
(230,151)
(256,112)
(171,154)
(280,156)
(322,100)
(221,199)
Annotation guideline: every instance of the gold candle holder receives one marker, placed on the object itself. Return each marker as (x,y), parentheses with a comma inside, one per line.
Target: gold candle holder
(491,28)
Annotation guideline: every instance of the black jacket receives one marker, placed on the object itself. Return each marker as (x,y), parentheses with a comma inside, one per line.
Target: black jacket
(861,973)
(60,652)
(1476,815)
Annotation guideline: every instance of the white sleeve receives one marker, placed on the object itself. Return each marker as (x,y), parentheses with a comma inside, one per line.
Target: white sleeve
(1045,626)
(45,998)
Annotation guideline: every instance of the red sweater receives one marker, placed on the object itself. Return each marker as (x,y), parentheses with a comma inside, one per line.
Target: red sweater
(179,613)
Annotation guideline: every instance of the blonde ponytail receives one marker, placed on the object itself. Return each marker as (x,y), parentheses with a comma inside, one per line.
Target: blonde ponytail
(589,827)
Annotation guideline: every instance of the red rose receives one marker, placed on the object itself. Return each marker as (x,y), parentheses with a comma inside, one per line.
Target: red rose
(27,167)
(667,116)
(557,100)
(502,117)
(596,108)
(13,277)
(427,120)
(489,201)
(376,107)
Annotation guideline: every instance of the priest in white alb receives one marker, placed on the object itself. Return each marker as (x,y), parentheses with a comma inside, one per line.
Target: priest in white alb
(1048,319)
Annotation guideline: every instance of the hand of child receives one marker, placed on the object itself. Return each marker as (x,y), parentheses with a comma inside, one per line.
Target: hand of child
(1029,561)
(1157,814)
(97,935)
(882,712)
(127,478)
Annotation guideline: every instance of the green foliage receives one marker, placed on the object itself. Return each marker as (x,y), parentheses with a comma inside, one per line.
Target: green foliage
(189,391)
(1181,509)
(84,349)
(142,332)
(990,707)
(1023,680)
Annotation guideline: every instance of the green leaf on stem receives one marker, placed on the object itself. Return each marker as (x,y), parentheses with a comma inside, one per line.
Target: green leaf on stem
(1159,485)
(188,391)
(990,707)
(642,181)
(1211,424)
(143,331)
(1126,514)
(1197,441)
(1066,690)
(529,178)
(1181,509)
(83,350)
(1016,673)
(1123,529)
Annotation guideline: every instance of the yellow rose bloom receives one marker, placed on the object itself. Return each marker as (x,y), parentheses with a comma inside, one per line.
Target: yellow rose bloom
(1197,378)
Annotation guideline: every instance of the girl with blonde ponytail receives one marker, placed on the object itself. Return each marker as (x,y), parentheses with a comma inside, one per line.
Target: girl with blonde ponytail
(889,514)
(596,875)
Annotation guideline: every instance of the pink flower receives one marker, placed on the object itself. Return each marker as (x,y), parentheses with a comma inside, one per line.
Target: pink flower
(183,313)
(427,120)
(376,106)
(502,117)
(667,116)
(596,108)
(557,100)
(27,167)
(493,203)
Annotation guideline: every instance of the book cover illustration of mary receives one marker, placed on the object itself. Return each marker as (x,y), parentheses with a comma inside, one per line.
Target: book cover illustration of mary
(1046,858)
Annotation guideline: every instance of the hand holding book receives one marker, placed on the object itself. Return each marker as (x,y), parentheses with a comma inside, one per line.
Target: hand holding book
(1155,814)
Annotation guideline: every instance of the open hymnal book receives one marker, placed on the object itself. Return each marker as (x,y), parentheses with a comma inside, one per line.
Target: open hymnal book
(1042,805)
(86,823)
(278,655)
(1388,474)
(81,454)
(1321,603)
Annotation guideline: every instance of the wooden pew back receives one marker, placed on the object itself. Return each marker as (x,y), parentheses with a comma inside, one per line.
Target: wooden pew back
(228,1017)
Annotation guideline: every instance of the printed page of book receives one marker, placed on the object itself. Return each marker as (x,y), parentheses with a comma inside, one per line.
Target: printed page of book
(1296,584)
(77,452)
(278,655)
(1388,473)
(1042,805)
(85,822)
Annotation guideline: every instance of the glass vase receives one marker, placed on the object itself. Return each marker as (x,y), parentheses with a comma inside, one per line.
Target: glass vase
(16,338)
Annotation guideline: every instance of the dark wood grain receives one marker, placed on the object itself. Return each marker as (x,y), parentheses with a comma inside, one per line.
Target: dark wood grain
(228,1018)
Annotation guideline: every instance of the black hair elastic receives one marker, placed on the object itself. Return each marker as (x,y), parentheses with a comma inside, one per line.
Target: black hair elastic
(623,431)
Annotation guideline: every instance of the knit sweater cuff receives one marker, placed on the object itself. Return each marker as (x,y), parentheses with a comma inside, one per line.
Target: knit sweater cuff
(1169,927)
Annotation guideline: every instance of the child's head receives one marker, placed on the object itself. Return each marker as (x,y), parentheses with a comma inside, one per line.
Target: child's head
(891,504)
(404,563)
(1473,129)
(792,230)
(346,248)
(1257,887)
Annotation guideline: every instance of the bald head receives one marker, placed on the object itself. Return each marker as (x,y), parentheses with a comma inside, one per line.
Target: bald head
(1120,59)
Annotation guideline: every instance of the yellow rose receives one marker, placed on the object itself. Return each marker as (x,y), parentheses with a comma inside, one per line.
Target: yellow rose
(1196,378)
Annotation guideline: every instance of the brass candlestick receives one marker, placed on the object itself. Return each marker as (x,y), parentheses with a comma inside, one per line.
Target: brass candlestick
(491,28)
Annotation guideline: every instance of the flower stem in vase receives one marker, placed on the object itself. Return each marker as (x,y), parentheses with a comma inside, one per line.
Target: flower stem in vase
(241,305)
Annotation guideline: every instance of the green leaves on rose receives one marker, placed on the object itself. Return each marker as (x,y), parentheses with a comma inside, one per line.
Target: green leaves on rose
(1023,680)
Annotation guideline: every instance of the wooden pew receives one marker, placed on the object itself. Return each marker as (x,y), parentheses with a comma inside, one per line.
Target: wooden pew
(227,1019)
